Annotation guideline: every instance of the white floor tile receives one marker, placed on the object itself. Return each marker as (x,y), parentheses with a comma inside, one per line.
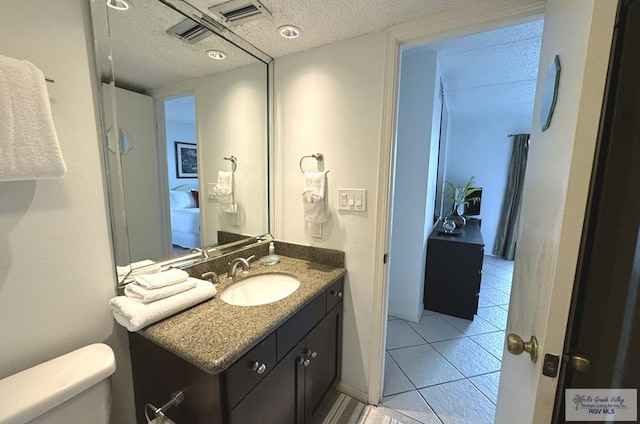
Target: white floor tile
(497,271)
(424,366)
(434,328)
(495,296)
(493,281)
(495,315)
(488,384)
(483,302)
(394,379)
(459,402)
(491,342)
(412,405)
(499,262)
(470,328)
(400,334)
(468,357)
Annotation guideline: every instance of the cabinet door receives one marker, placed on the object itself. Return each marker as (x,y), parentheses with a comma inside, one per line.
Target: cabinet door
(274,399)
(323,349)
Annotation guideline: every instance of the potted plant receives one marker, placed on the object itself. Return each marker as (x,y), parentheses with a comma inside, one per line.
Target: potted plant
(460,196)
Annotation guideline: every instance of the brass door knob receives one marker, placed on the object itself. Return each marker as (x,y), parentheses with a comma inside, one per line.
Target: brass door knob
(578,363)
(515,346)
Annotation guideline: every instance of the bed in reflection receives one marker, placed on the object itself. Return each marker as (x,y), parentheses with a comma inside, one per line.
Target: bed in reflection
(185,216)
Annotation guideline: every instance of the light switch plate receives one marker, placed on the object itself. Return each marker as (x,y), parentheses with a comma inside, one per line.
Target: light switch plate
(352,199)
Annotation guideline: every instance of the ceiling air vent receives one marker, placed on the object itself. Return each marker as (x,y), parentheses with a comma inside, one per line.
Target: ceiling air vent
(236,12)
(189,31)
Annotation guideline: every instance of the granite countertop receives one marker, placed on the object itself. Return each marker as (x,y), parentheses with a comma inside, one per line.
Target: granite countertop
(214,334)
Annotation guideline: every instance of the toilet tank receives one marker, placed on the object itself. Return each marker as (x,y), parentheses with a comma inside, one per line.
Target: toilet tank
(72,388)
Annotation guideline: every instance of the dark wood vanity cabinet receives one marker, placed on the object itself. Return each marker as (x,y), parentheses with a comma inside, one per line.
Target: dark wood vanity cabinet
(302,361)
(454,270)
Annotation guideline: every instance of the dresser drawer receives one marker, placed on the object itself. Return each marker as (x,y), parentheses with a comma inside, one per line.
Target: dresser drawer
(249,370)
(335,294)
(292,331)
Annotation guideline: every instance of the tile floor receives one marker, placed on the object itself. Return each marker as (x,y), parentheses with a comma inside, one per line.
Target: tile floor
(446,370)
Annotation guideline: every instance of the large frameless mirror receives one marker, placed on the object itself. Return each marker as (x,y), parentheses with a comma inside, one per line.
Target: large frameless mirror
(185,123)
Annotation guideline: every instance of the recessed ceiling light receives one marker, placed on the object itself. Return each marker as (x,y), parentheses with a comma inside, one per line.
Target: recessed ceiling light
(289,31)
(118,4)
(216,54)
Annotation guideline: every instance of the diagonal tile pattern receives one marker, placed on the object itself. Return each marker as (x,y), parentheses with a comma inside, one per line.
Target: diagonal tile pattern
(446,370)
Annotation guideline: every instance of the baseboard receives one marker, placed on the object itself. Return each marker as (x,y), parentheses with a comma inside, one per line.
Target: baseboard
(406,317)
(354,393)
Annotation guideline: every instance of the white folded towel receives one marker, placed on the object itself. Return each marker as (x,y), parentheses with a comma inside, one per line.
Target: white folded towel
(140,294)
(136,268)
(313,197)
(135,315)
(161,279)
(29,148)
(223,192)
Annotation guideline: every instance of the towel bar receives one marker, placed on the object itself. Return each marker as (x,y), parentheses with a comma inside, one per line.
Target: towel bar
(317,156)
(234,162)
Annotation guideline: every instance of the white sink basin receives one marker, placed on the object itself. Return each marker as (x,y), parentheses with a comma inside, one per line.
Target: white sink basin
(260,290)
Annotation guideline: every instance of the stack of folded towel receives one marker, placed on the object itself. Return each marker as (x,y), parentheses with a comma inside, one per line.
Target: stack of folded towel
(126,274)
(153,297)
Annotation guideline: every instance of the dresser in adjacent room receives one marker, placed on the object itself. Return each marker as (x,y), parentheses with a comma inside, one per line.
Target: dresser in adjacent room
(454,270)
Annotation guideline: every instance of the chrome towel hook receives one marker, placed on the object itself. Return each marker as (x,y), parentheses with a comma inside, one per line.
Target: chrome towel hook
(234,162)
(317,156)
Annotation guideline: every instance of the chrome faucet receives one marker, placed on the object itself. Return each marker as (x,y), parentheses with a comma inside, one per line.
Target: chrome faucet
(233,265)
(203,252)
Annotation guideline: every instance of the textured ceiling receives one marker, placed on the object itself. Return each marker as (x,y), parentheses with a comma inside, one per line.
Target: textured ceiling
(327,21)
(491,73)
(496,70)
(145,57)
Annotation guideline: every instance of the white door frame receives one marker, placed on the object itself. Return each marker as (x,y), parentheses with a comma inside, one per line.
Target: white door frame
(438,26)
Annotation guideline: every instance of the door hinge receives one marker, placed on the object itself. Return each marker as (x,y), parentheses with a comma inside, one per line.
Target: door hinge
(385,258)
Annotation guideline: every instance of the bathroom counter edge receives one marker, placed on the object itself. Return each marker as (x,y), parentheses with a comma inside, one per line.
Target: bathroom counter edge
(214,334)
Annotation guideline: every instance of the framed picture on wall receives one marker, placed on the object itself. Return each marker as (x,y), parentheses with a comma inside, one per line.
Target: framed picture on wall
(186,160)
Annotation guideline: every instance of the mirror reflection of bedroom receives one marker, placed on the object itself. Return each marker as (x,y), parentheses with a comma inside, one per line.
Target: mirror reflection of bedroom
(180,140)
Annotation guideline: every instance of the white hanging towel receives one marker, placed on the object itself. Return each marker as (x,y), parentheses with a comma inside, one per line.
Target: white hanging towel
(313,197)
(29,148)
(223,192)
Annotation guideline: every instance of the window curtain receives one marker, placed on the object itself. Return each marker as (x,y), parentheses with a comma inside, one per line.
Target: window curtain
(505,245)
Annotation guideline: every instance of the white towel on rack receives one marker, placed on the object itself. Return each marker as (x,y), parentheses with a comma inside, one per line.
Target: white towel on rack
(314,197)
(135,315)
(29,148)
(223,192)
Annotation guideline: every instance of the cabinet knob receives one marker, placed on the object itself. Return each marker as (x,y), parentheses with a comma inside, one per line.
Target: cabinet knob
(335,293)
(304,362)
(259,368)
(311,354)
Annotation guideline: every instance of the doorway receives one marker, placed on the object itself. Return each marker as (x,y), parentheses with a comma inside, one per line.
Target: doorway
(554,198)
(432,358)
(178,139)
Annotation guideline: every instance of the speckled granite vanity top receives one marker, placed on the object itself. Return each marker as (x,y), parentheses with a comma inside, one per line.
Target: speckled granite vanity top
(214,334)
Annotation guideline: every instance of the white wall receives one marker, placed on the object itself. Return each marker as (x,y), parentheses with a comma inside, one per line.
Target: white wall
(480,147)
(414,190)
(329,100)
(56,269)
(232,121)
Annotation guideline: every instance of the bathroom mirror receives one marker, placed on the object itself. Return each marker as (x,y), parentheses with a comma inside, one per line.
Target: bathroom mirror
(188,99)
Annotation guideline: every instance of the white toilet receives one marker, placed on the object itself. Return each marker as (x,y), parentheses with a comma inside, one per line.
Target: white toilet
(72,389)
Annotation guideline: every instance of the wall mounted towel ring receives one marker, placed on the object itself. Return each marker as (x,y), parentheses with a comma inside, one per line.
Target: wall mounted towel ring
(317,156)
(234,162)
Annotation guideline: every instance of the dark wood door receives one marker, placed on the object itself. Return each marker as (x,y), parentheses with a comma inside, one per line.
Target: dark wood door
(274,399)
(322,349)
